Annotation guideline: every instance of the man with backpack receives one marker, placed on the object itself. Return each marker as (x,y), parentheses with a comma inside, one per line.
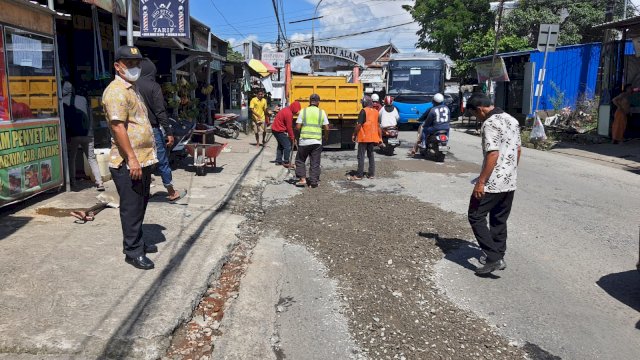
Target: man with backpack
(78,125)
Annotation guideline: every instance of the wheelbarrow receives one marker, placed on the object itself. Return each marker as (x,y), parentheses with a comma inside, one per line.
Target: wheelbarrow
(203,153)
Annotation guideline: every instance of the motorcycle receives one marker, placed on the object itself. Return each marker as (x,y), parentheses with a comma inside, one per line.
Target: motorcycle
(227,126)
(436,145)
(182,131)
(390,139)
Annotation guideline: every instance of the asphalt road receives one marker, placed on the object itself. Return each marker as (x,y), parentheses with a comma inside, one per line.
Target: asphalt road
(571,287)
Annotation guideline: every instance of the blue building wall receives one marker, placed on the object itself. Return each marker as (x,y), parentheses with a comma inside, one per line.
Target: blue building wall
(573,69)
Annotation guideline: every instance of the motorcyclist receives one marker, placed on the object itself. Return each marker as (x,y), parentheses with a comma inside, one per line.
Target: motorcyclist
(437,118)
(389,115)
(376,102)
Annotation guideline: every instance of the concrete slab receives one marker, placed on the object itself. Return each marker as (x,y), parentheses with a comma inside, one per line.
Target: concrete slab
(67,293)
(287,308)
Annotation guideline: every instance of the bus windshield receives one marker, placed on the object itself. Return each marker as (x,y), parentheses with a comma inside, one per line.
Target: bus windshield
(415,77)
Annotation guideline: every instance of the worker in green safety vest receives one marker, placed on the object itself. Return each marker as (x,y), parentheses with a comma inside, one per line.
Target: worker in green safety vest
(311,121)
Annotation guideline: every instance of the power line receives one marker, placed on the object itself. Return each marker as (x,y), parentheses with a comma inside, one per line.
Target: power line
(362,32)
(284,22)
(275,9)
(225,19)
(335,10)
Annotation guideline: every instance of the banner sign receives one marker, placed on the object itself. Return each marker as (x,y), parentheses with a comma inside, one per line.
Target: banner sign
(30,159)
(498,73)
(305,50)
(164,18)
(275,59)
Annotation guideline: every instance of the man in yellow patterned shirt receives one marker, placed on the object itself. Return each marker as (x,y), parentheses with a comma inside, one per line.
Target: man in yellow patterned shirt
(133,154)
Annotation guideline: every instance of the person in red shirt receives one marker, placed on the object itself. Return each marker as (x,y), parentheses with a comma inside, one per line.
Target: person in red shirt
(282,130)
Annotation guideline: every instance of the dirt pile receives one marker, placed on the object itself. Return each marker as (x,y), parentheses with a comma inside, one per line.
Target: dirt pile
(382,247)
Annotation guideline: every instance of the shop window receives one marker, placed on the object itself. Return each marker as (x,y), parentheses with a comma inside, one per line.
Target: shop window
(4,93)
(30,60)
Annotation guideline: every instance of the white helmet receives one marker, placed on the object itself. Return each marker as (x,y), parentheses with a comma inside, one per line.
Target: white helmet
(375,98)
(438,98)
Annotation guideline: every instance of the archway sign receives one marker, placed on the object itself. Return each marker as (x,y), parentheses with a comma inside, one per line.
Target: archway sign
(324,50)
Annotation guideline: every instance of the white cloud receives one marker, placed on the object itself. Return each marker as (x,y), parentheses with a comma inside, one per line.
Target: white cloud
(300,37)
(235,42)
(340,17)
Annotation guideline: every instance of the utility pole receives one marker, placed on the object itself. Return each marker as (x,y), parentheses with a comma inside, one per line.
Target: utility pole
(129,22)
(495,46)
(313,48)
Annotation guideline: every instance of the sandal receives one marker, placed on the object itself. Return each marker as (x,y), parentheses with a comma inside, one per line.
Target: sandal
(301,184)
(353,178)
(181,194)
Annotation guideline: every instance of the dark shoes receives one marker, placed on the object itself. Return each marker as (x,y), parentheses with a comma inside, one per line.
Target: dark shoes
(491,266)
(140,262)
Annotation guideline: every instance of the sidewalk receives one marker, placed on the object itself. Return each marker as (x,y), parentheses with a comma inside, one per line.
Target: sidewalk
(66,292)
(625,156)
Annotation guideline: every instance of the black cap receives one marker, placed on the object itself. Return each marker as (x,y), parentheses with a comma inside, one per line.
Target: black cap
(128,52)
(314,98)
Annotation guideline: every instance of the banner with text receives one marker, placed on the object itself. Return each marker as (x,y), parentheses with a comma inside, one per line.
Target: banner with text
(320,50)
(29,160)
(164,18)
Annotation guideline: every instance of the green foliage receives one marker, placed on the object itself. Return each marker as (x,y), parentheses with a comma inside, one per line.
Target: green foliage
(234,56)
(576,19)
(448,25)
(481,44)
(558,101)
(464,29)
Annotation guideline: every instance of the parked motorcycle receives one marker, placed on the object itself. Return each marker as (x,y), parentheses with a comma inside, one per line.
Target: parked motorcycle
(227,126)
(182,131)
(436,145)
(390,139)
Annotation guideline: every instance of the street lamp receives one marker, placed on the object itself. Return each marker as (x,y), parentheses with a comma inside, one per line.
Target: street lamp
(313,48)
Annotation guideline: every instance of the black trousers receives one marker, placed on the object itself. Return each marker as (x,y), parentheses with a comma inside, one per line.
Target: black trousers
(313,152)
(492,239)
(366,149)
(134,197)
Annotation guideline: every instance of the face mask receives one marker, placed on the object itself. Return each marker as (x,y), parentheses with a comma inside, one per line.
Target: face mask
(132,74)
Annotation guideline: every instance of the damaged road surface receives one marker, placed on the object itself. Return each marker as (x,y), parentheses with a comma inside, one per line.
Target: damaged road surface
(338,273)
(383,268)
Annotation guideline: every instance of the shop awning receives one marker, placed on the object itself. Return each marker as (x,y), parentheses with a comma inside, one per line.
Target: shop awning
(261,67)
(117,6)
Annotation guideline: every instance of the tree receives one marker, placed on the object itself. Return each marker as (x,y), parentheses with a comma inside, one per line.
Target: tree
(448,25)
(481,44)
(576,19)
(234,56)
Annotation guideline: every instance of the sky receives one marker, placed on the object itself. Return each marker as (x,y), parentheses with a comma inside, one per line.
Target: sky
(239,20)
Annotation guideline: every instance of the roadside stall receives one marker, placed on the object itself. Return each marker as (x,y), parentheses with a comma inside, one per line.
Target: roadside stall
(30,127)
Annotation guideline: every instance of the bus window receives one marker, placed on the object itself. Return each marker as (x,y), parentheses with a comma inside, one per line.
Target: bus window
(4,95)
(32,82)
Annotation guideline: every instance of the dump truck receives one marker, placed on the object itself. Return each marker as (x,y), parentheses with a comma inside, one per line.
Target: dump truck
(338,98)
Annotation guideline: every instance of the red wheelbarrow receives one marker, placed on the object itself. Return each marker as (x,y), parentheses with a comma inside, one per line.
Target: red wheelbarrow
(204,154)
